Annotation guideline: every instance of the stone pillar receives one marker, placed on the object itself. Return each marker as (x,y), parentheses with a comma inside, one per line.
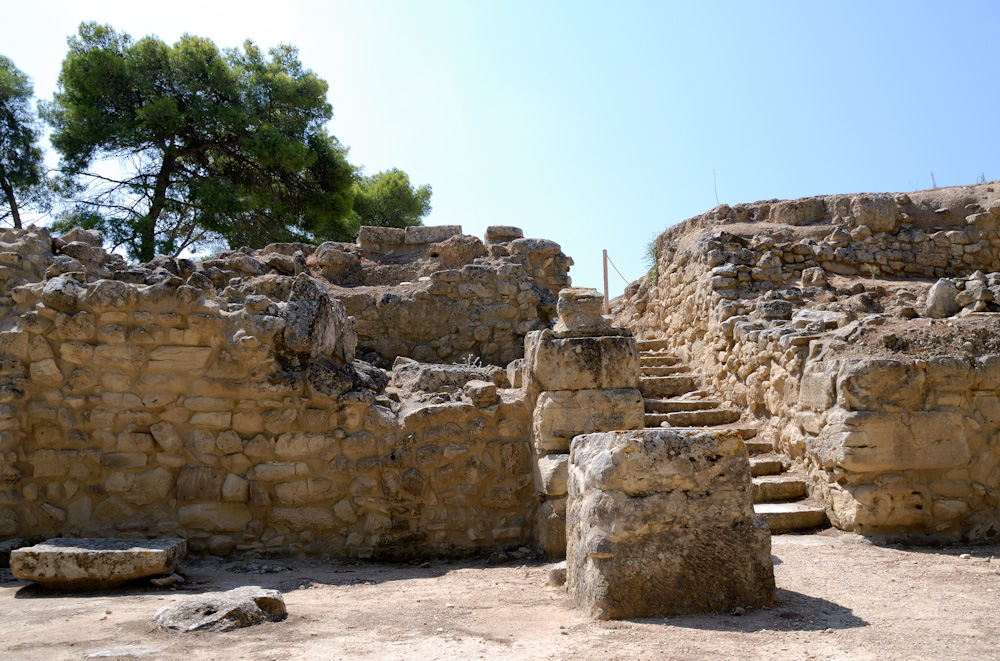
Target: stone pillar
(661,522)
(583,377)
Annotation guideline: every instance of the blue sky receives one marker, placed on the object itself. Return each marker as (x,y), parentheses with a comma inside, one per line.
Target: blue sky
(599,124)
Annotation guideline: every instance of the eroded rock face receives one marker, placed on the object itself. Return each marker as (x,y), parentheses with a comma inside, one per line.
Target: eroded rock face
(223,611)
(661,522)
(95,563)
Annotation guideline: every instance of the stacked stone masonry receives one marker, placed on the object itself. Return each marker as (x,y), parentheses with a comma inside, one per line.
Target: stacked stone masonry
(222,402)
(818,316)
(581,377)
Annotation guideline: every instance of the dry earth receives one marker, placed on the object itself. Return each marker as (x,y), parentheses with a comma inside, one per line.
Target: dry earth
(839,597)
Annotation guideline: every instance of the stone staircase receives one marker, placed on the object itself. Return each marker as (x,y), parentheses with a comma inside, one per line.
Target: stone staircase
(672,399)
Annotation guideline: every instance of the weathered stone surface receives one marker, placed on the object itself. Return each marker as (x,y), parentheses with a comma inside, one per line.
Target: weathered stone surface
(602,362)
(562,414)
(430,233)
(95,563)
(660,522)
(579,307)
(316,324)
(942,300)
(223,611)
(414,376)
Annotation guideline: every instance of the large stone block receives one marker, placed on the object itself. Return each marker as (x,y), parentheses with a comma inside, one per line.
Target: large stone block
(562,414)
(95,563)
(579,363)
(873,441)
(661,522)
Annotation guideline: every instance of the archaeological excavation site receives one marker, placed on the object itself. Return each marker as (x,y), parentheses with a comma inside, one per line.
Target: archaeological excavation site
(821,364)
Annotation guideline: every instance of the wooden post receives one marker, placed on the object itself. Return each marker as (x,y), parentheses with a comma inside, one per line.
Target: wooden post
(607,302)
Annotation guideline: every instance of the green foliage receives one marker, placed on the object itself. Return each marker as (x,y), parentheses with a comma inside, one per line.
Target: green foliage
(652,259)
(388,199)
(22,172)
(176,146)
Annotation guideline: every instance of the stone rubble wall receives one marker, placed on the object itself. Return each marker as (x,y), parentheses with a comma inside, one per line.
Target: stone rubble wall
(453,298)
(753,313)
(221,402)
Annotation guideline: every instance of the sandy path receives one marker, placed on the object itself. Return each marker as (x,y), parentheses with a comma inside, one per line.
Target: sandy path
(838,598)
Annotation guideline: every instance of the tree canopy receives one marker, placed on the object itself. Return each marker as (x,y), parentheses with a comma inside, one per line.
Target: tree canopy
(175,145)
(22,173)
(388,199)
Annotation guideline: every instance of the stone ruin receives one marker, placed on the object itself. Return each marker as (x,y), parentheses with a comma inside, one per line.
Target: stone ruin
(238,402)
(423,393)
(859,336)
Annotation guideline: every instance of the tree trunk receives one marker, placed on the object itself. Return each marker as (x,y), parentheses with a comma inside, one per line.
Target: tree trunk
(8,192)
(147,224)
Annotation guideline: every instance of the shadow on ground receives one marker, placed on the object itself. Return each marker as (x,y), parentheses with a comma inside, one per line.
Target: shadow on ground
(792,611)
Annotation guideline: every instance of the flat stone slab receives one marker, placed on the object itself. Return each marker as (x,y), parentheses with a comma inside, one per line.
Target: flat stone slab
(95,563)
(223,611)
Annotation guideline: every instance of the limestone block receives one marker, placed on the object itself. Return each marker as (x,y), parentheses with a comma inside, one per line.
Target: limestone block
(117,356)
(550,527)
(319,519)
(879,212)
(95,563)
(46,371)
(562,414)
(430,233)
(552,474)
(374,237)
(874,441)
(414,376)
(869,384)
(806,211)
(110,295)
(942,300)
(816,389)
(178,359)
(482,393)
(661,522)
(579,307)
(165,434)
(214,517)
(502,234)
(316,324)
(200,483)
(582,362)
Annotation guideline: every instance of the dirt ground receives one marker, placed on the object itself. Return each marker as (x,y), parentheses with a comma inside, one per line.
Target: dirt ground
(839,597)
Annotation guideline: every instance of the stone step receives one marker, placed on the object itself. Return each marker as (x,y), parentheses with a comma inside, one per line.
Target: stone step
(766,465)
(660,387)
(704,418)
(759,447)
(674,405)
(657,359)
(778,488)
(791,517)
(653,345)
(664,370)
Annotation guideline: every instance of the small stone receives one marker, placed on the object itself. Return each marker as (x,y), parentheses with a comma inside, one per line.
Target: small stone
(223,611)
(557,574)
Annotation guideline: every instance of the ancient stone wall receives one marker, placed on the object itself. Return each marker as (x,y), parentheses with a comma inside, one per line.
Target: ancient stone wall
(433,294)
(745,295)
(221,402)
